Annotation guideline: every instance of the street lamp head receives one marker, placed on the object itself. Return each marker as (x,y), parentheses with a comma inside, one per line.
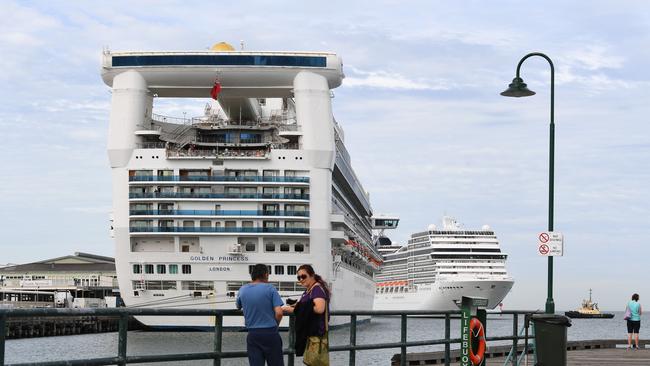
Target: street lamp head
(517,89)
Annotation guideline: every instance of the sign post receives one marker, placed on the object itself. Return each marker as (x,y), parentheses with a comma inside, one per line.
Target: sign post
(472,307)
(550,244)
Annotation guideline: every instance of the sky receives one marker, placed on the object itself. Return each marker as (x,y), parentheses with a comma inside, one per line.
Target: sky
(427,130)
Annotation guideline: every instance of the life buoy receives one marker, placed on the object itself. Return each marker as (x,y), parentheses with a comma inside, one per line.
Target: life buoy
(476,331)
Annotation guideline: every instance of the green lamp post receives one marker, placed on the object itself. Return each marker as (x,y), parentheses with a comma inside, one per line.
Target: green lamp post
(519,89)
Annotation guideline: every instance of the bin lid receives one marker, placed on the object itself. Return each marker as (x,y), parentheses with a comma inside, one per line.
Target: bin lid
(551,319)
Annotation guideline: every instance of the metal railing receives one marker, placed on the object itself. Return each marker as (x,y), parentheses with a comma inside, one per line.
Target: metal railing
(217,354)
(280,196)
(218,213)
(220,229)
(216,178)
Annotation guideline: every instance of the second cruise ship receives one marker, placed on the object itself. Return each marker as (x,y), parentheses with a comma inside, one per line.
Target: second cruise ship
(439,266)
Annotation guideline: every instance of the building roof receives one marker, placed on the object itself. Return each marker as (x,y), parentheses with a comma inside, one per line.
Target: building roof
(79,262)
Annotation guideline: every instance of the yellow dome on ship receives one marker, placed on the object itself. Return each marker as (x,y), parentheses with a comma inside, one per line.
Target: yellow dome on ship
(221,47)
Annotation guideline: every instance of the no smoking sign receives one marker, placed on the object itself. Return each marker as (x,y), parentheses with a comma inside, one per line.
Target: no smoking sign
(551,244)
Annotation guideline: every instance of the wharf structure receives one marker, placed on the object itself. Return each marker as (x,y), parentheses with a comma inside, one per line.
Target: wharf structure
(262,177)
(82,275)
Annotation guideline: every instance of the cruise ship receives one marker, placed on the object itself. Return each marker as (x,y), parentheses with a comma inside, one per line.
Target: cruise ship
(439,266)
(262,176)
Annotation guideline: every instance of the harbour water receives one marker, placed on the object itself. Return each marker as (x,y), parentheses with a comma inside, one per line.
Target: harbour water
(377,330)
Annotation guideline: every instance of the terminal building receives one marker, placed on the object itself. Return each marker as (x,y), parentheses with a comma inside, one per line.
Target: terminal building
(82,275)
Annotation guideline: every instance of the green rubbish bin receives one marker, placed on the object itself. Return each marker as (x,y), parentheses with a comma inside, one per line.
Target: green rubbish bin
(550,339)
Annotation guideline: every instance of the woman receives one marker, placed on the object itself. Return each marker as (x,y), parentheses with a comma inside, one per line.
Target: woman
(312,313)
(633,316)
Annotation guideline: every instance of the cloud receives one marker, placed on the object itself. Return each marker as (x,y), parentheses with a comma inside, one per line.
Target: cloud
(105,210)
(387,80)
(593,58)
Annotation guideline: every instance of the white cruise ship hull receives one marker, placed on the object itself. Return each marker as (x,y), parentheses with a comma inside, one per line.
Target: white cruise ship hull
(443,295)
(344,297)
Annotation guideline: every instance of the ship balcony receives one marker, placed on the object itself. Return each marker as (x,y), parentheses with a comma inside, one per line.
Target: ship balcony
(260,154)
(289,130)
(217,178)
(207,230)
(338,237)
(267,213)
(235,196)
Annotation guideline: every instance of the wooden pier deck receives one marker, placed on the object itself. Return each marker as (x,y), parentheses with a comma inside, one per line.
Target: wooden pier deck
(579,353)
(594,357)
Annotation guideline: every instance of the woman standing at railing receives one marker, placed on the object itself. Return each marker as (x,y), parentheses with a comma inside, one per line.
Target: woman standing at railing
(633,313)
(312,317)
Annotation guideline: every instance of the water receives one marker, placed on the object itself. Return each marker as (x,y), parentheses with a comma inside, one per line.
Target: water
(378,330)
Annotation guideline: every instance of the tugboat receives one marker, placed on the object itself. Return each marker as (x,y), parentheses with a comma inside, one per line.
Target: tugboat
(589,309)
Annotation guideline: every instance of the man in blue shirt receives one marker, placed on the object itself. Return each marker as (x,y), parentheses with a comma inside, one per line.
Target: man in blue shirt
(262,308)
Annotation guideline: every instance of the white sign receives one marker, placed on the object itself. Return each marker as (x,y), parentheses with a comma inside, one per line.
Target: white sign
(550,244)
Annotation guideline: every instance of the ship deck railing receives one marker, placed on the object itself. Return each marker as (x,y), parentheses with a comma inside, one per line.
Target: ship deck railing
(289,213)
(216,178)
(218,354)
(277,196)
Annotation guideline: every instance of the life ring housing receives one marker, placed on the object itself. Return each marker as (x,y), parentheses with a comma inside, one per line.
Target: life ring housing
(476,331)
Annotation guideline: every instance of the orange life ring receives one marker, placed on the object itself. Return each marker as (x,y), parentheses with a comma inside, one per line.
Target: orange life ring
(480,334)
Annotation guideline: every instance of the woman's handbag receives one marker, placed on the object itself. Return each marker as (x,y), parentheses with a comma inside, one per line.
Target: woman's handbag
(317,350)
(628,313)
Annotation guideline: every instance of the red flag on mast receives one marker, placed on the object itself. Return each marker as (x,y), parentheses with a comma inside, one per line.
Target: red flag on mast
(214,93)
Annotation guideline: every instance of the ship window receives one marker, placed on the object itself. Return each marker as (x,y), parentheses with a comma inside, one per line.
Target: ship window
(251,247)
(173,269)
(299,247)
(284,247)
(250,138)
(219,60)
(160,269)
(197,285)
(148,268)
(137,268)
(291,270)
(185,248)
(186,268)
(269,247)
(279,270)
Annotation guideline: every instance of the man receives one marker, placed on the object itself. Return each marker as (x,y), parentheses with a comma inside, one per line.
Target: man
(262,313)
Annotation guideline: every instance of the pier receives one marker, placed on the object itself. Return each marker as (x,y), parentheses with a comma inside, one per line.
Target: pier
(48,326)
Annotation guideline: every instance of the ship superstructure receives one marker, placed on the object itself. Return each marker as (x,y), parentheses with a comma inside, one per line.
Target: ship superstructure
(439,266)
(263,176)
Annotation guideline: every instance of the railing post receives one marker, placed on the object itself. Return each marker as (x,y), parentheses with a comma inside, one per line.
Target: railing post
(3,326)
(515,334)
(121,345)
(402,360)
(292,340)
(218,338)
(447,338)
(353,339)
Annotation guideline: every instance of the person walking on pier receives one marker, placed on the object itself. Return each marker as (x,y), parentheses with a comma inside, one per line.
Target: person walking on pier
(262,308)
(633,313)
(312,318)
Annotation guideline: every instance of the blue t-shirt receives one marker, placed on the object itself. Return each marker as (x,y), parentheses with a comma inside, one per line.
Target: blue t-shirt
(635,308)
(258,300)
